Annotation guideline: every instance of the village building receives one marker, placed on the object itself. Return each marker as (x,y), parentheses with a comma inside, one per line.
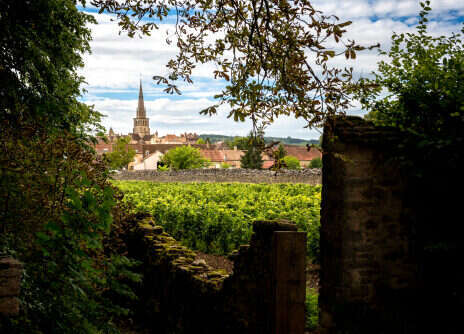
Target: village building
(221,156)
(303,153)
(141,134)
(149,148)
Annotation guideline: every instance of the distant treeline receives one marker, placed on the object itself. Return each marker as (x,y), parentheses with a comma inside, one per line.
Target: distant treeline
(286,141)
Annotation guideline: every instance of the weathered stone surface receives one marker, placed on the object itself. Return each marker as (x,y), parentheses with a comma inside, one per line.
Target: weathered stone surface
(9,306)
(10,286)
(369,264)
(10,280)
(289,252)
(309,176)
(260,289)
(180,295)
(10,267)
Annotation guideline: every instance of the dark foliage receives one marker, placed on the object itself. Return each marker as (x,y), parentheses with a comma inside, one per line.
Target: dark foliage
(55,200)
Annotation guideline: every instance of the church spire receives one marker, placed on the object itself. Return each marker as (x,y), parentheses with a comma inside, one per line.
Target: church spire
(141,122)
(141,105)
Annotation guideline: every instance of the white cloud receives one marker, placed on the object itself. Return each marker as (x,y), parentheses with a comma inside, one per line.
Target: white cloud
(356,9)
(112,70)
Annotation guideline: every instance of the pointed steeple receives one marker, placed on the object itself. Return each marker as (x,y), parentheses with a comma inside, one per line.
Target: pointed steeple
(141,122)
(141,105)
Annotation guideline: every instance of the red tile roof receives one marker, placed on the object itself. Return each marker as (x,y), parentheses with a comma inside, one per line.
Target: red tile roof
(222,155)
(233,155)
(302,153)
(213,155)
(173,138)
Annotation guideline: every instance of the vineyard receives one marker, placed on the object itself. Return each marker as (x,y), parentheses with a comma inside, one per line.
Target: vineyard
(217,217)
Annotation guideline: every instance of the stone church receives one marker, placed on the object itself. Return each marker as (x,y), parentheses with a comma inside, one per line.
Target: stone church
(141,129)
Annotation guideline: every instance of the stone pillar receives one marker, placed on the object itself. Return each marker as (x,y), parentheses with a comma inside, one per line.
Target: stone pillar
(369,265)
(266,293)
(289,250)
(10,280)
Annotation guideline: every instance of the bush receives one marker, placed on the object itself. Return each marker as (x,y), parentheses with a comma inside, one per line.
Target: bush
(56,205)
(312,309)
(420,90)
(225,165)
(315,163)
(184,157)
(291,162)
(60,230)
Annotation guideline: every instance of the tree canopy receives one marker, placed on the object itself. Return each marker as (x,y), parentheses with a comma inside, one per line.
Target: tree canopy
(273,55)
(184,157)
(252,159)
(240,143)
(41,50)
(56,203)
(255,146)
(122,154)
(420,91)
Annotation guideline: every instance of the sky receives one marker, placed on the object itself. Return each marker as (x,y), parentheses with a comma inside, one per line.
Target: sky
(113,70)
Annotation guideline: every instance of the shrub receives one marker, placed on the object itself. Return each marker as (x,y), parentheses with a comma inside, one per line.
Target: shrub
(55,201)
(312,309)
(419,90)
(61,236)
(184,157)
(316,163)
(291,162)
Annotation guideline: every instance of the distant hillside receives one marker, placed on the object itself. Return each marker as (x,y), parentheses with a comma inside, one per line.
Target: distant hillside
(287,141)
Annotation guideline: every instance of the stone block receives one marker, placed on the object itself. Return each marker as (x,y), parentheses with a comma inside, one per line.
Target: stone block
(10,286)
(9,306)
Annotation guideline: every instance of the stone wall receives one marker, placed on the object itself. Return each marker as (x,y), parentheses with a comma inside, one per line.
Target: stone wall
(265,294)
(309,176)
(10,279)
(369,264)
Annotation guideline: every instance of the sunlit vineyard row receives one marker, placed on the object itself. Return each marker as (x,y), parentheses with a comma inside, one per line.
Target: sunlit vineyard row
(217,217)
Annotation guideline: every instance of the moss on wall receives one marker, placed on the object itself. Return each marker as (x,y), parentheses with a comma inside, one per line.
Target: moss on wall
(181,295)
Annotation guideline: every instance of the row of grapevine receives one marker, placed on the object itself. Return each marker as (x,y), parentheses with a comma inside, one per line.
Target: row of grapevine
(217,217)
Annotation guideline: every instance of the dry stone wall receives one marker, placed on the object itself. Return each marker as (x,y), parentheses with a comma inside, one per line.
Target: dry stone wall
(309,176)
(265,294)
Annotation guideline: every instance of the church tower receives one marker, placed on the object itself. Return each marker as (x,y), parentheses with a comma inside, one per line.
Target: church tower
(141,122)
